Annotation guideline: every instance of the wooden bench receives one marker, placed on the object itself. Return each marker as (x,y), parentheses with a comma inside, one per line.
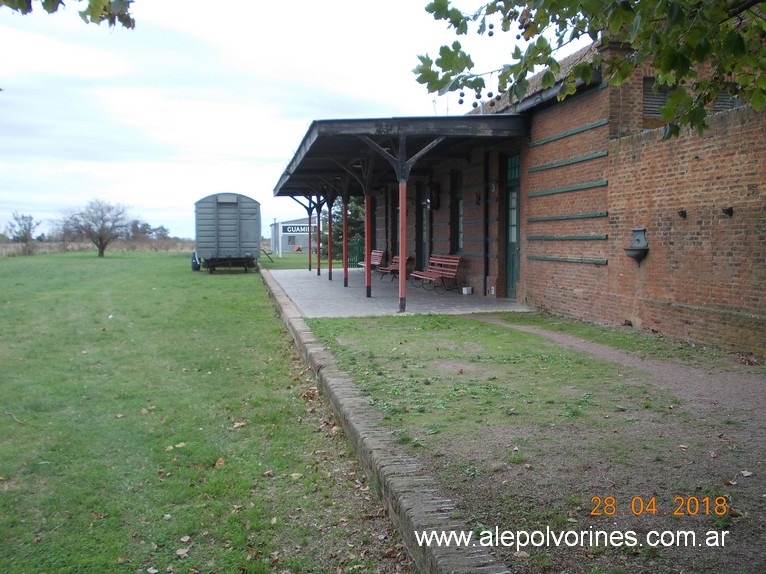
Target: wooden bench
(392,267)
(376,258)
(440,273)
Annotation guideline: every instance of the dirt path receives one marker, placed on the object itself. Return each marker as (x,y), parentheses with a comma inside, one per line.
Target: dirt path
(732,385)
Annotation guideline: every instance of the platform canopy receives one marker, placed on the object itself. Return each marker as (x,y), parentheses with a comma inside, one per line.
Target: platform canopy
(334,149)
(344,158)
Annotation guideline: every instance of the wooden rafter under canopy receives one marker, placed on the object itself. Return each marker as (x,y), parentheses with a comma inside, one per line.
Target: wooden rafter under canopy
(346,154)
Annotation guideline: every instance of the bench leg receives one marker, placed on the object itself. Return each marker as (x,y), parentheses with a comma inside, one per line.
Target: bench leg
(417,282)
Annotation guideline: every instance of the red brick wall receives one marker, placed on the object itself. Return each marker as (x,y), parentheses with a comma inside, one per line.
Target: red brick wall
(704,279)
(565,287)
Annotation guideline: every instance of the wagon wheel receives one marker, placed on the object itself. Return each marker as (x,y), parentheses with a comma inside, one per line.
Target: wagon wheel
(440,286)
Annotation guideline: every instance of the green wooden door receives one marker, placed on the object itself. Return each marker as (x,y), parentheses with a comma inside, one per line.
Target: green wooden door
(513,238)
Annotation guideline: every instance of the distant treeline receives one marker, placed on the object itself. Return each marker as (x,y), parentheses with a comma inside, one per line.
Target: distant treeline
(43,247)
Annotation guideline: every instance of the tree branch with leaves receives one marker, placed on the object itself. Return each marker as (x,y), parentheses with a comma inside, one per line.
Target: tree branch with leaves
(95,11)
(697,48)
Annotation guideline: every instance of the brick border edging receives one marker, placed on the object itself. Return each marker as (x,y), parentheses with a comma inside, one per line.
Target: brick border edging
(408,493)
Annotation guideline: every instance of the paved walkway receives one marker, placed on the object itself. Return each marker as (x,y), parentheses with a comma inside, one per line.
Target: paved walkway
(316,296)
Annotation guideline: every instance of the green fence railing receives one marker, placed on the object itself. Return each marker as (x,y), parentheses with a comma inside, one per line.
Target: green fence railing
(355,251)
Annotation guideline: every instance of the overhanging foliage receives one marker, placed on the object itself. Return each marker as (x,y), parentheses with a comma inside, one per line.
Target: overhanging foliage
(698,48)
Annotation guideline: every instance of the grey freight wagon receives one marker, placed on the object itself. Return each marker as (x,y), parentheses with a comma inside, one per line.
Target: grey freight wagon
(228,228)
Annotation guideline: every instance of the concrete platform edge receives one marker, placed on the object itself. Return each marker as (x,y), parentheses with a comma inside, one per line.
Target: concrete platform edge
(406,491)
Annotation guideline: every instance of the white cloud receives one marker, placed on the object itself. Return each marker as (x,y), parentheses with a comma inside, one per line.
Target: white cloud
(200,98)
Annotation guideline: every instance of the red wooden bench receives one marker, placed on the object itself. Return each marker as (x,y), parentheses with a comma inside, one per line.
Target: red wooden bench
(440,273)
(376,258)
(392,267)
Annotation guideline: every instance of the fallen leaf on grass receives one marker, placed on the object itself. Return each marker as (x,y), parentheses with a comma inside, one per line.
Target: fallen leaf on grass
(98,515)
(218,463)
(152,571)
(268,473)
(182,552)
(296,475)
(185,539)
(119,415)
(238,424)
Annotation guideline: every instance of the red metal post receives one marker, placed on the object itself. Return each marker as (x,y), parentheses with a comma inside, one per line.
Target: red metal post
(368,243)
(329,241)
(345,243)
(402,246)
(309,240)
(319,241)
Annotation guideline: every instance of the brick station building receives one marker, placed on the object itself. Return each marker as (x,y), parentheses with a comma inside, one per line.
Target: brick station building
(541,197)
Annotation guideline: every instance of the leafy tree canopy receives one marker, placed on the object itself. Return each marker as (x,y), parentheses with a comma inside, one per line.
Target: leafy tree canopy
(95,11)
(696,47)
(22,227)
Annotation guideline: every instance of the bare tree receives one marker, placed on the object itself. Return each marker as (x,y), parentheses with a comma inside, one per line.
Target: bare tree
(21,230)
(101,223)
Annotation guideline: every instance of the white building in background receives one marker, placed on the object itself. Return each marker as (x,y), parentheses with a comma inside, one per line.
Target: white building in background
(291,236)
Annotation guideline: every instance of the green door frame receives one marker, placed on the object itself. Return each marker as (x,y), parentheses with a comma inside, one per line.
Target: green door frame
(513,225)
(422,226)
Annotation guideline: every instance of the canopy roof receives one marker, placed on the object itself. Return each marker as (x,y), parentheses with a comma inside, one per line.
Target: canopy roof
(351,156)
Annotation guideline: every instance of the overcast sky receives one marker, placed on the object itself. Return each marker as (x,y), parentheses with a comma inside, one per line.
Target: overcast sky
(202,97)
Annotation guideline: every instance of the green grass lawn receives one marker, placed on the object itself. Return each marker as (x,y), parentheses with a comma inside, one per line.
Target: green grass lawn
(287,261)
(156,419)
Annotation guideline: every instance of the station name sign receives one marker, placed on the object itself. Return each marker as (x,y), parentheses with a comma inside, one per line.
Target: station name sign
(295,228)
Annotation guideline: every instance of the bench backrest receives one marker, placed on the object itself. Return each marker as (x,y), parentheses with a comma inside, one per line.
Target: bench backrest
(376,257)
(444,264)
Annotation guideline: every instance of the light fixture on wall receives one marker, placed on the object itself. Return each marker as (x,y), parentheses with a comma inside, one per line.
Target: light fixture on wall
(682,213)
(728,211)
(639,246)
